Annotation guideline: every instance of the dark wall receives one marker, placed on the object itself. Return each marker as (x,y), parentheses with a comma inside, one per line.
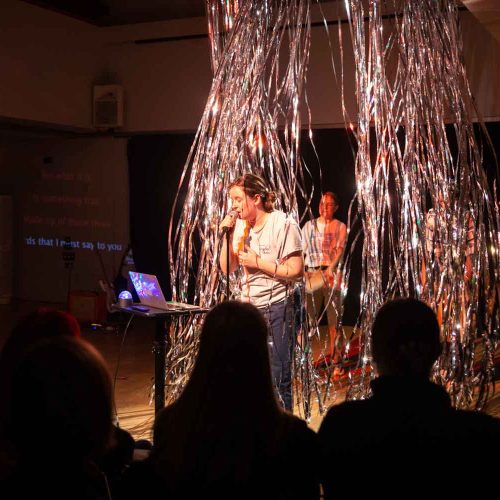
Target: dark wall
(155,166)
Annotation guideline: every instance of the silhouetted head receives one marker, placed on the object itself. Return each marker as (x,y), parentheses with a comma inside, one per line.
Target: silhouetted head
(61,403)
(233,353)
(46,322)
(231,379)
(39,325)
(228,407)
(405,338)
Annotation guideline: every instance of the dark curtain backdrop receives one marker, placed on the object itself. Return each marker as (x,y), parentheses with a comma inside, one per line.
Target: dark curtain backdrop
(155,166)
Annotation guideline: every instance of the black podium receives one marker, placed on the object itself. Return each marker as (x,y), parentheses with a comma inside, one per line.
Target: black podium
(161,342)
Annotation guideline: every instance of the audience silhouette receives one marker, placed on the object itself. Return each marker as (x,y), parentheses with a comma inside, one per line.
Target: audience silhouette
(42,324)
(36,328)
(406,439)
(60,421)
(226,436)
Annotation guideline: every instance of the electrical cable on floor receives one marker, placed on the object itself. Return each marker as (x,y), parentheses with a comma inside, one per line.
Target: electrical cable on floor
(118,366)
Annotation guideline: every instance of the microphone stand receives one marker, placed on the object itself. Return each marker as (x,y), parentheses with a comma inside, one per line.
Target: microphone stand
(227,265)
(227,231)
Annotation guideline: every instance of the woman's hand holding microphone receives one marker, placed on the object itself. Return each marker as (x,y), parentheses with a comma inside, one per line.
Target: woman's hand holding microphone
(228,222)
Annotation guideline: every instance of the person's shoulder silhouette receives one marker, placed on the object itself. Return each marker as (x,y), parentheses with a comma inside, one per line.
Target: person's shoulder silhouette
(407,432)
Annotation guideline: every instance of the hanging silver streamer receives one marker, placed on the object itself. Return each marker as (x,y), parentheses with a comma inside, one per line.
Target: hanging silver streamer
(259,54)
(429,220)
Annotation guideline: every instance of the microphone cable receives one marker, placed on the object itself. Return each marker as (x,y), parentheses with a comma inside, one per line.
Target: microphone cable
(118,366)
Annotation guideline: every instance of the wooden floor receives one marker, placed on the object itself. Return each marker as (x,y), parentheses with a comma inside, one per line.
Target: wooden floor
(135,375)
(131,359)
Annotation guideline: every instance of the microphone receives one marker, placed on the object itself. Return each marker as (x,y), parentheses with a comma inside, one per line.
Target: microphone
(234,215)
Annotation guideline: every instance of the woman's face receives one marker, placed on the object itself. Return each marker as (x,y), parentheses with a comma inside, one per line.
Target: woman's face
(243,204)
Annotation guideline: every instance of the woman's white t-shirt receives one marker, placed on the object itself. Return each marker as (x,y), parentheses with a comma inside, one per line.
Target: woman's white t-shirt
(277,239)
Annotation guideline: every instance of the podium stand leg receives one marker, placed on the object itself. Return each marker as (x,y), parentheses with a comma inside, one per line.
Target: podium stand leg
(160,349)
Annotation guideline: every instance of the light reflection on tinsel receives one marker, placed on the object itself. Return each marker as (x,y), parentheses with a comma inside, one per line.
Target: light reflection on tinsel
(259,54)
(404,168)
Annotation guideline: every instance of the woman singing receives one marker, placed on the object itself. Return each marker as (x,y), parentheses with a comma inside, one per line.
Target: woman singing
(267,245)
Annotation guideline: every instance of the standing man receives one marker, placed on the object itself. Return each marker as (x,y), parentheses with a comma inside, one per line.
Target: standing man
(324,242)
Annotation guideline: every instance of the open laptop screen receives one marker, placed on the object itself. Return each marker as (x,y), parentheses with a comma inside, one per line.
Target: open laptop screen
(148,289)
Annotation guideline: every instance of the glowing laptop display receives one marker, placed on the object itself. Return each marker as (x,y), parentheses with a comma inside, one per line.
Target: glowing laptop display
(149,291)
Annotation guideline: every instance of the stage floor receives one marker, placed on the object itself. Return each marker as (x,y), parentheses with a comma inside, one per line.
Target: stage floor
(136,369)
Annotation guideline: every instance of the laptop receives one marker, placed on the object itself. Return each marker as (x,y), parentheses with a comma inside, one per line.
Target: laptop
(149,292)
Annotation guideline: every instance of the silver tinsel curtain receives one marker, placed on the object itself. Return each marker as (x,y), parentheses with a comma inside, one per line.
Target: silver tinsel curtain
(251,123)
(430,228)
(430,224)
